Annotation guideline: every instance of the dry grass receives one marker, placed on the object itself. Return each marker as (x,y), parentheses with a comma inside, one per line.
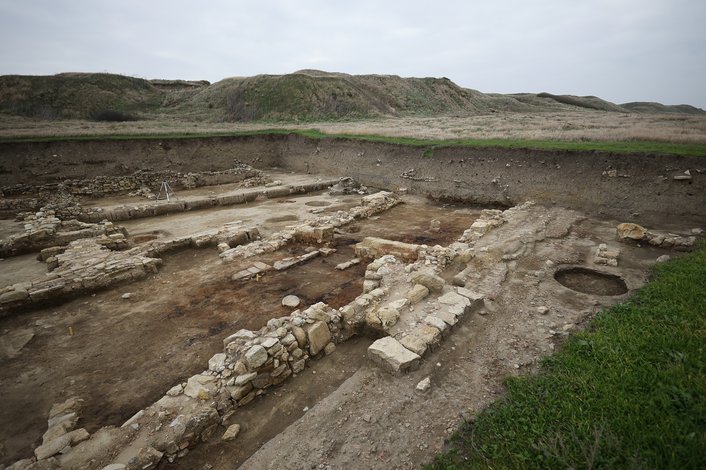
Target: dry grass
(563,126)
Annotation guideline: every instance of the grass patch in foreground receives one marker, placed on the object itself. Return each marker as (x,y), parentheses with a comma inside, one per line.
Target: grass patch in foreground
(627,147)
(630,393)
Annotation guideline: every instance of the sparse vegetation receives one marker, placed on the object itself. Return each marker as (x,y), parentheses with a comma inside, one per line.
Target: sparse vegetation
(429,145)
(629,393)
(110,115)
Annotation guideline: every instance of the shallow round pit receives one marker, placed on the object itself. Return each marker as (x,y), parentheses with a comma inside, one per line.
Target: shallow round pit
(589,281)
(318,203)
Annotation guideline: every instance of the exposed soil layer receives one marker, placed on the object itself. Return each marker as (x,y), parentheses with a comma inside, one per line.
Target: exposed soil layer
(639,188)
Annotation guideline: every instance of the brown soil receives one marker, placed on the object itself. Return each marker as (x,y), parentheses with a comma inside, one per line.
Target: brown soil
(120,355)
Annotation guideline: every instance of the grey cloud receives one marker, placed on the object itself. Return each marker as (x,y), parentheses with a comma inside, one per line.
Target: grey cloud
(625,50)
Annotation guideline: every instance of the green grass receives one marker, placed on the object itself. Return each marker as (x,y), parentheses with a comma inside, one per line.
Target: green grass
(630,393)
(626,147)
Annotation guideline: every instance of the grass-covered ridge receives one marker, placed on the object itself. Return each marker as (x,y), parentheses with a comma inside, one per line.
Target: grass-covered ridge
(629,393)
(429,145)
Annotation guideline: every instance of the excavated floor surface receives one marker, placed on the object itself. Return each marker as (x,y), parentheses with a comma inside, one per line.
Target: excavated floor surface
(121,355)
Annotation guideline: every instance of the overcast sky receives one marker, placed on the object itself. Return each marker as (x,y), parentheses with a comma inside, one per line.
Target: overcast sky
(620,50)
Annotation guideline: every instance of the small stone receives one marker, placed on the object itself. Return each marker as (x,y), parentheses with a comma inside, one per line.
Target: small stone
(175,390)
(231,433)
(388,316)
(436,322)
(245,378)
(424,385)
(663,259)
(542,310)
(217,362)
(330,348)
(267,343)
(114,466)
(291,301)
(126,295)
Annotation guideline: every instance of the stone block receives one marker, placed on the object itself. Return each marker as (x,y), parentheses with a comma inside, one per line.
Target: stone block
(372,247)
(52,447)
(255,356)
(217,362)
(417,294)
(319,336)
(631,232)
(428,279)
(201,387)
(421,339)
(389,354)
(448,317)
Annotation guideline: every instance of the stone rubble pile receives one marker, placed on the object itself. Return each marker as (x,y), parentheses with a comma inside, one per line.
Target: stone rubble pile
(85,265)
(606,256)
(347,185)
(629,232)
(45,229)
(316,230)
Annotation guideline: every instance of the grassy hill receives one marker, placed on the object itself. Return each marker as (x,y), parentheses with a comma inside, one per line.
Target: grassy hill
(659,108)
(306,95)
(75,95)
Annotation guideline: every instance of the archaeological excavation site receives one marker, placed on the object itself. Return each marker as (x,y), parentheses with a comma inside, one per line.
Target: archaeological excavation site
(283,301)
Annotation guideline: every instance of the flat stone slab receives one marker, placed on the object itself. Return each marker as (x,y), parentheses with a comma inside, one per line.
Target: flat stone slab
(421,339)
(389,354)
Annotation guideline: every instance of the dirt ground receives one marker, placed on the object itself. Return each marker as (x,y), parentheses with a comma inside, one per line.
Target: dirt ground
(120,355)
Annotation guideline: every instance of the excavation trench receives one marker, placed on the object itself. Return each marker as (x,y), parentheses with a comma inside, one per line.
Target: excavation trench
(121,352)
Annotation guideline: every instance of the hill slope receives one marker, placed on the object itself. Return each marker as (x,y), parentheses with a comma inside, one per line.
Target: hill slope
(307,95)
(75,95)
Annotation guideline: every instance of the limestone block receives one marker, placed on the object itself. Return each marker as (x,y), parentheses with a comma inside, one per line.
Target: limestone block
(428,279)
(300,336)
(372,247)
(16,295)
(52,447)
(319,336)
(201,387)
(631,232)
(421,339)
(388,316)
(436,322)
(217,362)
(237,393)
(452,298)
(255,356)
(389,354)
(244,378)
(298,366)
(448,317)
(240,334)
(417,294)
(231,433)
